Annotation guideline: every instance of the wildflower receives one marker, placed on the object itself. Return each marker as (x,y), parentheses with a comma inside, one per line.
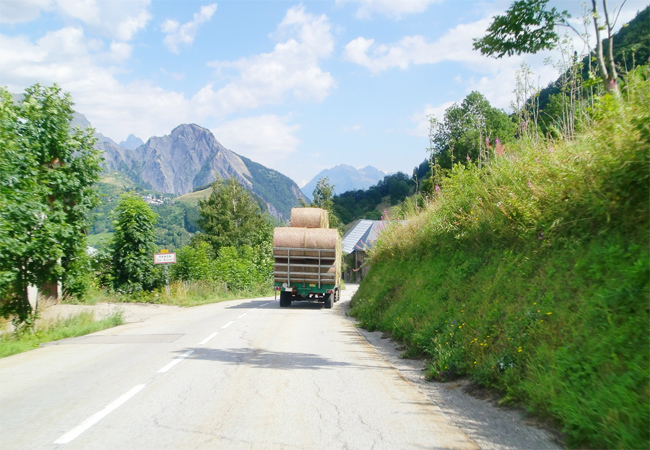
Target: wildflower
(541,236)
(468,158)
(537,160)
(474,362)
(437,188)
(519,350)
(500,149)
(550,149)
(530,184)
(549,313)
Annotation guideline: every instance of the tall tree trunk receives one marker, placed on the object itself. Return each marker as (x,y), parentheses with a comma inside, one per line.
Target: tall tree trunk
(608,76)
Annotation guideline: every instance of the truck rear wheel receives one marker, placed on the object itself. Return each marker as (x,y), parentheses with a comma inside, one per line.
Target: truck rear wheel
(328,301)
(285,299)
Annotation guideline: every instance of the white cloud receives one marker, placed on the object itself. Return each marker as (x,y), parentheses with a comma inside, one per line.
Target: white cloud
(421,118)
(266,139)
(178,34)
(455,45)
(391,8)
(78,64)
(17,11)
(352,128)
(292,68)
(119,21)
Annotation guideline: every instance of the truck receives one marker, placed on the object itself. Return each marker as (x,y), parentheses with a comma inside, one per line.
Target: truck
(307,259)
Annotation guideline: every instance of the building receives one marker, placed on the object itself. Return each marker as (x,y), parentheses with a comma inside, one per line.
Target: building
(356,243)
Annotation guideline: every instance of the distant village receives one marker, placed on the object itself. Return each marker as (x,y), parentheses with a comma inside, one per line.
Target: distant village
(153,200)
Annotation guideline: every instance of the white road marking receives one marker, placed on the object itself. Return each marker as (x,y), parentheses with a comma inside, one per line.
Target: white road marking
(92,420)
(228,324)
(208,339)
(242,315)
(267,304)
(175,361)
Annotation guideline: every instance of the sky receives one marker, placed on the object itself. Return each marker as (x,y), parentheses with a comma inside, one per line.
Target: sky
(296,86)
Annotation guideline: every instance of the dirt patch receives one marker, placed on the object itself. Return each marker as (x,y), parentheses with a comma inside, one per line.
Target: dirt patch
(131,312)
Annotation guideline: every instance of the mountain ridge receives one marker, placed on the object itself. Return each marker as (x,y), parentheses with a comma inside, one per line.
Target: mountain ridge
(346,178)
(190,157)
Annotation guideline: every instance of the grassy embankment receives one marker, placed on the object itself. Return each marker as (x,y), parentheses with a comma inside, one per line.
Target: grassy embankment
(531,276)
(78,325)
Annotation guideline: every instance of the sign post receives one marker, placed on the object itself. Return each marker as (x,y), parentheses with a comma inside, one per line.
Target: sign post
(164,257)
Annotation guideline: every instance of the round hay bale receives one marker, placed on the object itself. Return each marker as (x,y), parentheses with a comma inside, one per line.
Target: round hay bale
(321,238)
(309,218)
(289,237)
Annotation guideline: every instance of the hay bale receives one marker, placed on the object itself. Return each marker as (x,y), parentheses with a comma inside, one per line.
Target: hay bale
(309,218)
(289,237)
(321,238)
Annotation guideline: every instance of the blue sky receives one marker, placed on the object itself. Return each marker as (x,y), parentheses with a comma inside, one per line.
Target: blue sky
(296,86)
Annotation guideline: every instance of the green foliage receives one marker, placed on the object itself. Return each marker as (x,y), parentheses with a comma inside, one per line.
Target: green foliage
(531,275)
(176,221)
(322,194)
(194,263)
(467,131)
(353,205)
(526,27)
(229,217)
(47,178)
(133,246)
(240,269)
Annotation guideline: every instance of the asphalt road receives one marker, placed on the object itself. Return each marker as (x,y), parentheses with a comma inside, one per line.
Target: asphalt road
(243,375)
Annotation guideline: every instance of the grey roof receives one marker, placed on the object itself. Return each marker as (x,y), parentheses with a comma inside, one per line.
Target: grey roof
(361,236)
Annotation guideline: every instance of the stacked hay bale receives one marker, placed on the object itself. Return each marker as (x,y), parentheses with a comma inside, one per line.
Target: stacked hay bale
(308,252)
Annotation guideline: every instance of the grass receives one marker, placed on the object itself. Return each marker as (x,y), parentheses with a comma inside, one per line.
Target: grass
(192,198)
(74,326)
(531,276)
(181,293)
(100,239)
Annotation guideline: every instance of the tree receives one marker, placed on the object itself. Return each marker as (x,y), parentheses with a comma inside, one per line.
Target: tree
(528,27)
(229,217)
(134,245)
(48,174)
(463,134)
(323,193)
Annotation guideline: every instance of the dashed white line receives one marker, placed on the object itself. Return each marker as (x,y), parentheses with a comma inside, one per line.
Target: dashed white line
(228,324)
(242,315)
(208,339)
(92,420)
(176,361)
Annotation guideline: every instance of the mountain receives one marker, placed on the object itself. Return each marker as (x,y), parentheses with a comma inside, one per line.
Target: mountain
(190,158)
(346,178)
(131,142)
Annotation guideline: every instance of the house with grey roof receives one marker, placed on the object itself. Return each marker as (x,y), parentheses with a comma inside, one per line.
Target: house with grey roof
(356,242)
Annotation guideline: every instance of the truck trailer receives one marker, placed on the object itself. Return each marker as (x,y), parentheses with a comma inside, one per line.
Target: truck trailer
(307,259)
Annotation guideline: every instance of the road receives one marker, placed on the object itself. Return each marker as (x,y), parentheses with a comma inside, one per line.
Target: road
(242,374)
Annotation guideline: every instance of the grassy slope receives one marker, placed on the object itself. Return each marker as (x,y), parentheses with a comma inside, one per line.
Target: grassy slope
(531,276)
(192,198)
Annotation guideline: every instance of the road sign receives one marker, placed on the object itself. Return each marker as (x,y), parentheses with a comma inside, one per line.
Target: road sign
(164,258)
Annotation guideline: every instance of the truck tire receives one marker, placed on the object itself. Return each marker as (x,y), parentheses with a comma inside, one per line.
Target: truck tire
(337,295)
(285,299)
(328,301)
